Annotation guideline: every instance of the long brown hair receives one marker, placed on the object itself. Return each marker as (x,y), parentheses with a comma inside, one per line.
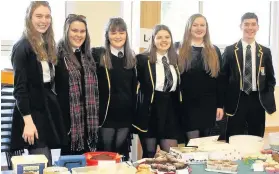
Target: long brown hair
(210,56)
(46,50)
(152,50)
(118,24)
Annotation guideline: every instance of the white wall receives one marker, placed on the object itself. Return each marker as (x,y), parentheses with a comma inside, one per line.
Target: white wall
(97,15)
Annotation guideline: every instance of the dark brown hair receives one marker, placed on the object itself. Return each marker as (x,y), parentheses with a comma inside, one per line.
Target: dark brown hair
(152,50)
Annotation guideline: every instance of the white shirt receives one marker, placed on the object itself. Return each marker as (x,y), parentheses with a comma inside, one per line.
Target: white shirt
(46,71)
(253,51)
(160,74)
(74,49)
(115,51)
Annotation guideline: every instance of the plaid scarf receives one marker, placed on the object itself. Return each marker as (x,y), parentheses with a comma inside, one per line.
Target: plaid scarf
(77,112)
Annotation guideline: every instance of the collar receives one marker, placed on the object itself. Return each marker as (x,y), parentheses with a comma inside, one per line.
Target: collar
(244,44)
(159,57)
(115,51)
(193,44)
(75,49)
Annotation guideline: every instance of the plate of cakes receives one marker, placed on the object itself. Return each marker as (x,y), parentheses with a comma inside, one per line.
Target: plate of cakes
(223,166)
(165,163)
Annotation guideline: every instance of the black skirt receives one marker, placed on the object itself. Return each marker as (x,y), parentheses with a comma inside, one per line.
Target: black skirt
(163,122)
(49,124)
(198,113)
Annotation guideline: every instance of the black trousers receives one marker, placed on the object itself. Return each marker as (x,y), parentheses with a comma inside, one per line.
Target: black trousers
(249,118)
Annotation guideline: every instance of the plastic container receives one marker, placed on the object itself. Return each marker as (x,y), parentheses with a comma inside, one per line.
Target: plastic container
(273,139)
(247,144)
(115,158)
(29,164)
(56,170)
(71,161)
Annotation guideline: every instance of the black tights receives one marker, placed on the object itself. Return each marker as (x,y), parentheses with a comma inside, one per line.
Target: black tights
(42,151)
(149,145)
(197,134)
(114,140)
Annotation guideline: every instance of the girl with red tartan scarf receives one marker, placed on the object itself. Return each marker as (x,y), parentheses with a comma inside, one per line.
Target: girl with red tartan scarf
(77,87)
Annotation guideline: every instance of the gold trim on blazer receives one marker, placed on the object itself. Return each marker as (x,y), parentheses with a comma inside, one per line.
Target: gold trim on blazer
(109,87)
(179,81)
(139,128)
(239,69)
(260,65)
(258,78)
(152,81)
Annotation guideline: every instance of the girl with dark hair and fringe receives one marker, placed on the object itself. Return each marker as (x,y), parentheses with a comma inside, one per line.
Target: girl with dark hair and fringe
(199,62)
(117,84)
(157,120)
(77,87)
(37,120)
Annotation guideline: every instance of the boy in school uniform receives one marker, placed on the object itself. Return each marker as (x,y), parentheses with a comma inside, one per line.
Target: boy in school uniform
(249,81)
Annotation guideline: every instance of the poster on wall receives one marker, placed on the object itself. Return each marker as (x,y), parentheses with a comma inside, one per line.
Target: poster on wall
(145,37)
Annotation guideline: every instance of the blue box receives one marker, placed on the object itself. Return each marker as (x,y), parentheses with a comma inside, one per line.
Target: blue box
(71,161)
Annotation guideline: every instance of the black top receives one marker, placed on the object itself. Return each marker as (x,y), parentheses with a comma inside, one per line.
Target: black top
(197,80)
(122,92)
(33,99)
(202,94)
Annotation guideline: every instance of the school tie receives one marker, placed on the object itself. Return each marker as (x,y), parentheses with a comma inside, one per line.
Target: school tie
(247,88)
(120,54)
(168,76)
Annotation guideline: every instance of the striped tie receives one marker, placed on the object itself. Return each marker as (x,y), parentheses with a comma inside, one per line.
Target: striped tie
(168,76)
(247,87)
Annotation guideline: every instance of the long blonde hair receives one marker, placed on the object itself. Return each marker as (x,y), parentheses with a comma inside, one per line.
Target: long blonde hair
(35,38)
(210,56)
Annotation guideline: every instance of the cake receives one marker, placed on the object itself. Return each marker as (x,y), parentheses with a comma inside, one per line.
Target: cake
(102,157)
(270,170)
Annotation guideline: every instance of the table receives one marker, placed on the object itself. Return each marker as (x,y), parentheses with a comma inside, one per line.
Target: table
(242,169)
(200,169)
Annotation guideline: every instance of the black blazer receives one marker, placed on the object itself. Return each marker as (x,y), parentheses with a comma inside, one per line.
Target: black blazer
(28,92)
(62,89)
(103,74)
(147,79)
(231,70)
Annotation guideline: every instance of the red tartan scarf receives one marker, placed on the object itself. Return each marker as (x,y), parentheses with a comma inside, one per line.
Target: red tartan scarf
(77,112)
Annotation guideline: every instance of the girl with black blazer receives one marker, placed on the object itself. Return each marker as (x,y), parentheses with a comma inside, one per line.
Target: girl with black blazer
(117,84)
(77,87)
(199,62)
(157,120)
(37,120)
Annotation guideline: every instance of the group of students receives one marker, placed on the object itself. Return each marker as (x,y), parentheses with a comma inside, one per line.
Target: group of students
(82,99)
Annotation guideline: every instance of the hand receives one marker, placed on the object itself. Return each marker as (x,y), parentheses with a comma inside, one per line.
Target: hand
(219,114)
(30,130)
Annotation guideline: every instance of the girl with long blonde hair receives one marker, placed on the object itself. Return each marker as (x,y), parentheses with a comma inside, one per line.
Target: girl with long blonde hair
(199,63)
(37,120)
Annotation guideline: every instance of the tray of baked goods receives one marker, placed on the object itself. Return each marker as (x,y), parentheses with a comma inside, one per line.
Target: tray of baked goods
(222,166)
(266,160)
(162,163)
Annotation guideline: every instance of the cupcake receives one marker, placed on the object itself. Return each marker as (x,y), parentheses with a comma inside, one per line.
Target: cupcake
(270,170)
(276,168)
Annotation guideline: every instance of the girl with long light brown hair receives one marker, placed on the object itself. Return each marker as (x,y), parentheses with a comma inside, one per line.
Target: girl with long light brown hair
(199,63)
(37,121)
